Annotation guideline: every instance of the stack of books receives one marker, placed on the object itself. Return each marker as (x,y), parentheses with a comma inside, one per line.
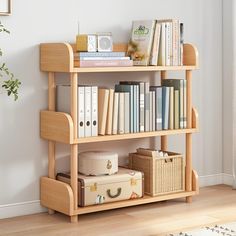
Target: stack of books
(157,42)
(101,59)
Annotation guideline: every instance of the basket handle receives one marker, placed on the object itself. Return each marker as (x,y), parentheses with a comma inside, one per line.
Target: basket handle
(168,160)
(115,195)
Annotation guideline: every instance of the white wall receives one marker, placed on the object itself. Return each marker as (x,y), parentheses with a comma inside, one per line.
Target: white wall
(23,157)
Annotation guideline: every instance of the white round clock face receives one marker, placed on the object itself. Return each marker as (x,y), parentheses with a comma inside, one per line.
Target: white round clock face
(105,43)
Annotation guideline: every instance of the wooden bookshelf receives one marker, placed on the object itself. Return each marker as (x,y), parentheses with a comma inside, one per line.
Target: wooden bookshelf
(62,127)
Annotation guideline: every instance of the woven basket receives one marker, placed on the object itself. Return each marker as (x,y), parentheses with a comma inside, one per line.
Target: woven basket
(161,175)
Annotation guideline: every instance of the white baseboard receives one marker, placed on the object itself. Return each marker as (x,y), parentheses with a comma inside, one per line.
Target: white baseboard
(32,207)
(20,209)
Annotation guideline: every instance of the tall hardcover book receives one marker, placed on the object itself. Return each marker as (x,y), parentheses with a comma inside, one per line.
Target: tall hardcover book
(155,45)
(121,117)
(178,84)
(88,110)
(162,50)
(147,106)
(159,106)
(171,108)
(140,44)
(151,111)
(165,105)
(115,113)
(168,43)
(63,105)
(176,109)
(127,112)
(103,98)
(110,112)
(94,110)
(130,89)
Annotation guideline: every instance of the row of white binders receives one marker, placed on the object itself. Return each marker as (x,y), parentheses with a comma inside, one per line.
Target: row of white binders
(130,107)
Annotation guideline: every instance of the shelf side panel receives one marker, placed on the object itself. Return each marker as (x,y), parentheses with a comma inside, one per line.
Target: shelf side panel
(195,182)
(56,195)
(56,126)
(190,55)
(56,57)
(195,122)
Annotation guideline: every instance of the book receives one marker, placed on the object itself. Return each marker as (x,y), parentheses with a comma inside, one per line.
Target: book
(140,44)
(103,98)
(115,113)
(130,89)
(181,38)
(110,112)
(88,110)
(151,111)
(176,109)
(158,107)
(147,106)
(168,44)
(79,55)
(185,104)
(102,58)
(165,105)
(127,112)
(94,110)
(171,108)
(162,49)
(103,63)
(121,116)
(178,84)
(155,45)
(135,108)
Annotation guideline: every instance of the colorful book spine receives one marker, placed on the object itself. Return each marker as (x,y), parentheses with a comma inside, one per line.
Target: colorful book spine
(103,63)
(99,54)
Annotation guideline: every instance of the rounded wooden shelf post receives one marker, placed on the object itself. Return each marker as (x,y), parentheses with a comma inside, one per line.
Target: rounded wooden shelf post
(189,136)
(51,144)
(163,138)
(74,147)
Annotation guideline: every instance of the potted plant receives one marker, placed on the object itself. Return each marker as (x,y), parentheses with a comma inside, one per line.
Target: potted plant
(8,81)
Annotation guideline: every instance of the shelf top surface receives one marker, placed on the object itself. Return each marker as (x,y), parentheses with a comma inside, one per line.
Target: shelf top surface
(133,69)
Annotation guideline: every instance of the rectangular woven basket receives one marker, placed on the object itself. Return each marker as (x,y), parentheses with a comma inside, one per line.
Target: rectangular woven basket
(161,175)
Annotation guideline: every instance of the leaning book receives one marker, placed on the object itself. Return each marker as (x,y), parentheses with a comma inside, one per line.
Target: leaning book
(140,44)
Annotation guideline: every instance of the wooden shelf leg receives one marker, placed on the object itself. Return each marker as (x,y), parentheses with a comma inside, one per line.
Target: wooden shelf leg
(74,219)
(51,144)
(189,136)
(74,147)
(163,138)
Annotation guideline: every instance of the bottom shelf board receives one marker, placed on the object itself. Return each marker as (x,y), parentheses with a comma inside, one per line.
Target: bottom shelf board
(146,199)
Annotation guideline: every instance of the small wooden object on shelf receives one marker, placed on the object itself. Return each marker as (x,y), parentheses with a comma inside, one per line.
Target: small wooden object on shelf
(62,127)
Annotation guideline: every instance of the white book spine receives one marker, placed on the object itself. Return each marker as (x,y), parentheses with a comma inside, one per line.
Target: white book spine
(151,111)
(147,106)
(88,112)
(94,111)
(115,113)
(162,53)
(167,44)
(81,114)
(121,122)
(127,113)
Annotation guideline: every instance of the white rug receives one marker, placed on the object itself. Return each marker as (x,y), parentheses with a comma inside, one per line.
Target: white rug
(225,230)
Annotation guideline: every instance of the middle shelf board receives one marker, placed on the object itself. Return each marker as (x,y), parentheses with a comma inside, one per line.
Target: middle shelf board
(133,69)
(118,137)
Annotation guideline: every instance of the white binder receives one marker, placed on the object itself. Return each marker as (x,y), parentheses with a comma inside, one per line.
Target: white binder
(81,131)
(94,123)
(88,112)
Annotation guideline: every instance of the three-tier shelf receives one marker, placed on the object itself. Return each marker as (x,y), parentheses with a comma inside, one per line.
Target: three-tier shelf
(62,127)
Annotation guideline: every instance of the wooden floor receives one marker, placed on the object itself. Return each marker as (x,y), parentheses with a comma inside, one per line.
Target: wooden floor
(214,205)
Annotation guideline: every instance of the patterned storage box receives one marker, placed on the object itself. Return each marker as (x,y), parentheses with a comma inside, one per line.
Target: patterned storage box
(161,175)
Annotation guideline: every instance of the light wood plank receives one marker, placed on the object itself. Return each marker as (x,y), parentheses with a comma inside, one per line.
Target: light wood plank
(107,138)
(56,126)
(56,195)
(145,200)
(195,182)
(190,55)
